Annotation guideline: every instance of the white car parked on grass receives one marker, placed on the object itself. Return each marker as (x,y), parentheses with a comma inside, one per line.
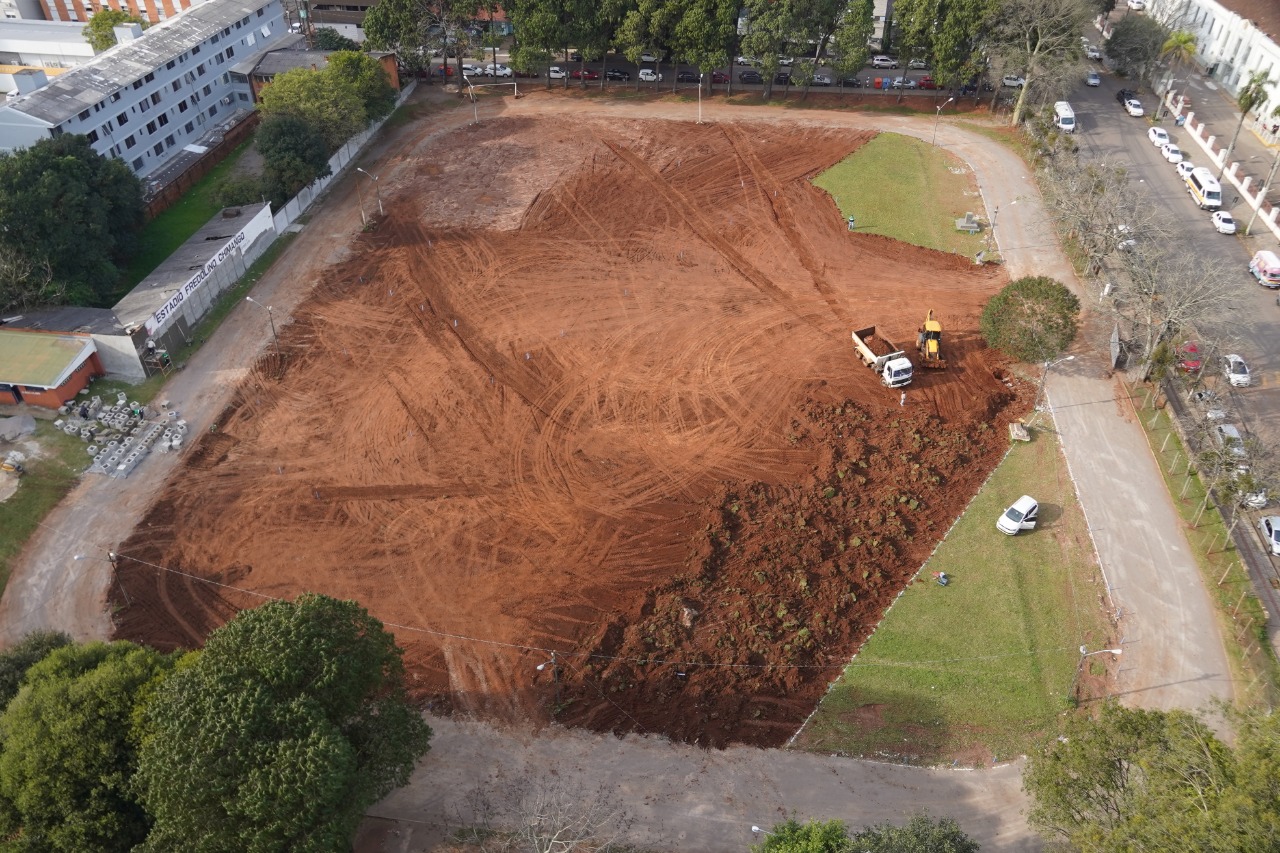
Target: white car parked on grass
(1158,136)
(1021,516)
(1172,153)
(1223,222)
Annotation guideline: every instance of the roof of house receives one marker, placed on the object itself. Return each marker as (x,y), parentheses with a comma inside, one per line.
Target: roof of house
(51,32)
(287,57)
(1265,14)
(112,70)
(67,318)
(41,359)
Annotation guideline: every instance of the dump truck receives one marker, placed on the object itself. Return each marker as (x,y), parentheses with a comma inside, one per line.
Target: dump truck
(929,342)
(887,360)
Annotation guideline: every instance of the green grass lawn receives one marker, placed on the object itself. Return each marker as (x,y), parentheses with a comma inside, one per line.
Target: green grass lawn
(977,669)
(907,189)
(164,234)
(47,481)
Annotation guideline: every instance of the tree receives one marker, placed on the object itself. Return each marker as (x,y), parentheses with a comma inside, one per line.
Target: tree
(68,761)
(294,155)
(1032,319)
(1251,94)
(26,283)
(62,201)
(948,33)
(813,836)
(99,32)
(368,77)
(327,38)
(332,106)
(26,653)
(280,733)
(770,26)
(920,835)
(412,28)
(1135,44)
(849,38)
(703,33)
(1158,780)
(1038,37)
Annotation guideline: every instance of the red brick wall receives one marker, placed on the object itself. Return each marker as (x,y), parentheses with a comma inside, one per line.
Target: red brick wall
(55,397)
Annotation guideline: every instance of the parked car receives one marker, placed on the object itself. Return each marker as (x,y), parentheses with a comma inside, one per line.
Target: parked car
(1134,108)
(927,82)
(1223,222)
(1127,241)
(498,70)
(1185,168)
(555,72)
(719,77)
(1158,136)
(882,61)
(1124,95)
(617,74)
(1021,516)
(1138,5)
(470,70)
(575,56)
(1093,52)
(917,65)
(530,73)
(686,77)
(1229,439)
(585,74)
(1189,358)
(750,77)
(1270,528)
(820,80)
(1014,81)
(648,57)
(904,83)
(648,75)
(1236,371)
(1093,78)
(1172,153)
(786,61)
(851,82)
(747,60)
(782,78)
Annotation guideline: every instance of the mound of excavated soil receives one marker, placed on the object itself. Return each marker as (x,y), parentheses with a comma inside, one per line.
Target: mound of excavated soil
(591,390)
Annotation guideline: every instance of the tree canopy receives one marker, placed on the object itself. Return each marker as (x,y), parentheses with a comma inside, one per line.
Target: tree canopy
(1158,780)
(327,38)
(63,204)
(294,155)
(341,99)
(67,762)
(100,31)
(1135,43)
(1031,319)
(26,653)
(279,734)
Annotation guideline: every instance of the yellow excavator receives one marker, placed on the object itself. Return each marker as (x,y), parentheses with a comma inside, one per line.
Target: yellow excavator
(929,342)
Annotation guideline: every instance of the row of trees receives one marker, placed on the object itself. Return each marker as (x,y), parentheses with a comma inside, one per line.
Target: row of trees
(276,736)
(958,39)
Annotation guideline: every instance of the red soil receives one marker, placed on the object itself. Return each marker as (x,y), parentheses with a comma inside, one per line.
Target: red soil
(591,389)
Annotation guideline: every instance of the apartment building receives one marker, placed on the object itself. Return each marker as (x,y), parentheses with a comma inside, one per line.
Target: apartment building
(157,92)
(154,11)
(1234,38)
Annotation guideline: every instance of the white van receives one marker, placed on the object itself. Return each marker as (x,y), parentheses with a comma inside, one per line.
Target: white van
(1205,190)
(1064,118)
(1265,267)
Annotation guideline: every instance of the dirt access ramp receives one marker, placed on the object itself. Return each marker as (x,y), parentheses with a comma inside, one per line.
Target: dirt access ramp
(590,389)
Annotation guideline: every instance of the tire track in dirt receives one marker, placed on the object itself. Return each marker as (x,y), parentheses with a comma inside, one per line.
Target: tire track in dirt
(708,234)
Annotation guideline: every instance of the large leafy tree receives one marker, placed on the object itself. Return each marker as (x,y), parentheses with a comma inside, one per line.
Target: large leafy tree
(331,105)
(771,24)
(921,835)
(327,38)
(703,33)
(947,33)
(67,763)
(412,28)
(368,77)
(279,734)
(20,657)
(1158,780)
(63,202)
(812,836)
(853,29)
(27,282)
(1032,319)
(294,154)
(100,31)
(1135,44)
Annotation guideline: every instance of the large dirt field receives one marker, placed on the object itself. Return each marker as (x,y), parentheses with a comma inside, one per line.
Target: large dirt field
(589,388)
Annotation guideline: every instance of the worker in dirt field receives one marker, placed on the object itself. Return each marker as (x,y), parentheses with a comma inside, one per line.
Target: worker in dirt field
(852,223)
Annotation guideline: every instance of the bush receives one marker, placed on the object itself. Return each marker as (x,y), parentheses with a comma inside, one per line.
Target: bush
(232,191)
(1031,319)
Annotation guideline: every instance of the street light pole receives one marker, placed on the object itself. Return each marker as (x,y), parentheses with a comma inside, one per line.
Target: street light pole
(271,318)
(937,119)
(1044,377)
(377,192)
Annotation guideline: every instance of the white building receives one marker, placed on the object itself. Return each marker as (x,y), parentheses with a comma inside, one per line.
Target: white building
(1234,38)
(39,44)
(157,91)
